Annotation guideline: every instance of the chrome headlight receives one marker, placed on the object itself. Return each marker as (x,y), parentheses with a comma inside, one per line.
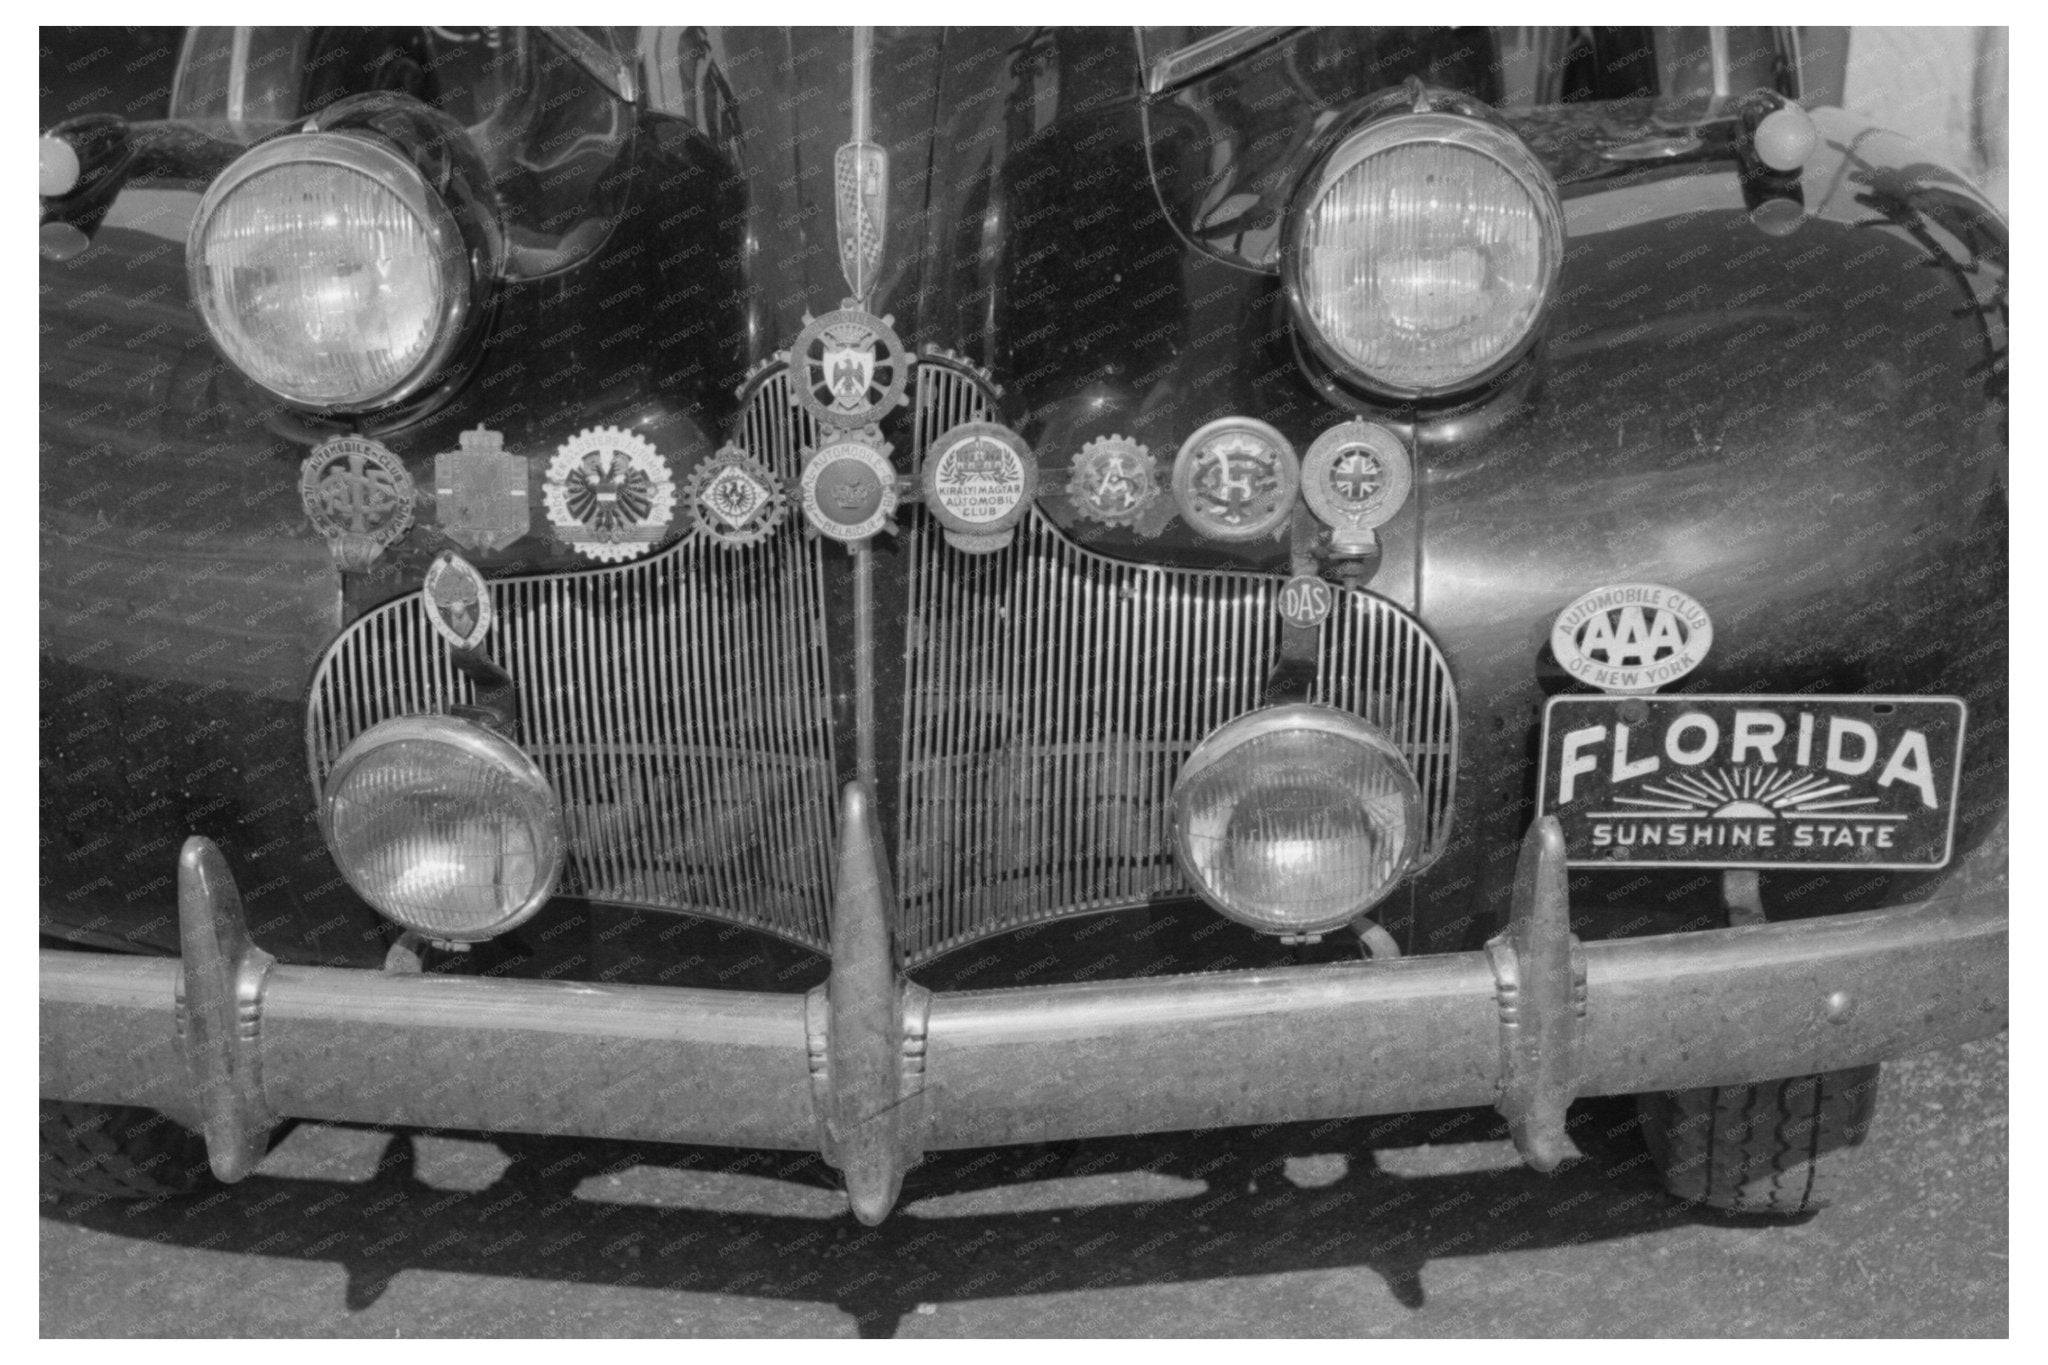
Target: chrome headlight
(1422,251)
(329,272)
(443,826)
(1296,819)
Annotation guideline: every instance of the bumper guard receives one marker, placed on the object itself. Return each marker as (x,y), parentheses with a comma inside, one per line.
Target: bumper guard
(873,1071)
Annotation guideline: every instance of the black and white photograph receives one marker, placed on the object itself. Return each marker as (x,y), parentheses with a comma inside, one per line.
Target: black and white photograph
(1009,681)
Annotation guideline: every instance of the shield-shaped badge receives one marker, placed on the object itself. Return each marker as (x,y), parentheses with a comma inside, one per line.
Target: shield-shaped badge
(850,370)
(480,495)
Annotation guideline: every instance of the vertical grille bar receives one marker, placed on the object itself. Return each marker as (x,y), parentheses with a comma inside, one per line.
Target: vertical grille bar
(1054,695)
(679,705)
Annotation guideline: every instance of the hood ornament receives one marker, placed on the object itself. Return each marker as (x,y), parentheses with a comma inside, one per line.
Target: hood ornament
(861,186)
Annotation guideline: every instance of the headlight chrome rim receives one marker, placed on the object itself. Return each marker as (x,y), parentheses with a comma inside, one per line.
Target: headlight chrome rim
(1388,122)
(477,742)
(368,156)
(1230,739)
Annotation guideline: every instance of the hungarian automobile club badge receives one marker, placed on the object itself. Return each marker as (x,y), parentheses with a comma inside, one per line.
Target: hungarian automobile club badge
(1113,481)
(1355,477)
(480,493)
(979,479)
(849,487)
(734,499)
(457,601)
(609,494)
(359,497)
(1235,479)
(848,368)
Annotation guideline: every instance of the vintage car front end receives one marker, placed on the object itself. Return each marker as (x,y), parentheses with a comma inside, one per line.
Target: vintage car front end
(1498,574)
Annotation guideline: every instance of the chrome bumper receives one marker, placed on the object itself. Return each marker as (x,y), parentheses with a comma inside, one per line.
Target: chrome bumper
(873,1071)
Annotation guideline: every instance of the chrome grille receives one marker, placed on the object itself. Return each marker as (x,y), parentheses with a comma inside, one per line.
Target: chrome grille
(1055,693)
(679,705)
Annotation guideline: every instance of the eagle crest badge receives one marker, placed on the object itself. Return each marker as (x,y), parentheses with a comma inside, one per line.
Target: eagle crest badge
(848,368)
(609,494)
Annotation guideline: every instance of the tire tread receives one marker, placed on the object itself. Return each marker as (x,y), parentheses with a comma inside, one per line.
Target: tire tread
(1757,1149)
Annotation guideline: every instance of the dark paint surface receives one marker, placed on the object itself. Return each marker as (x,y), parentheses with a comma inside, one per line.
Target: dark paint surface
(1804,431)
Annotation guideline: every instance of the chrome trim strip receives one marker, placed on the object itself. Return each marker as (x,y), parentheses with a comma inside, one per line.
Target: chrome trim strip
(1200,58)
(609,68)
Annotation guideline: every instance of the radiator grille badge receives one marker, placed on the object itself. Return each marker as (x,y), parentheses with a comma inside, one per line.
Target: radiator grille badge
(359,496)
(733,499)
(1355,478)
(849,487)
(848,368)
(979,479)
(480,493)
(1114,482)
(457,601)
(1235,479)
(609,494)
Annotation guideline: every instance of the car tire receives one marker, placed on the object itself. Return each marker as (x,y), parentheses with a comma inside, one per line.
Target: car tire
(119,1152)
(1757,1149)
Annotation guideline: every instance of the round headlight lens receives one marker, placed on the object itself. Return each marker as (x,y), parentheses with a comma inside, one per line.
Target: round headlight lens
(328,271)
(1296,819)
(443,826)
(1424,251)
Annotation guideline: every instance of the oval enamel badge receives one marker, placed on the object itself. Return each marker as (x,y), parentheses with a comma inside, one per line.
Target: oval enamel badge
(1235,479)
(1632,637)
(457,601)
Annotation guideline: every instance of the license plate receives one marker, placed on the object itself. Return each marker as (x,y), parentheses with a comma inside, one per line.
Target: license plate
(1861,783)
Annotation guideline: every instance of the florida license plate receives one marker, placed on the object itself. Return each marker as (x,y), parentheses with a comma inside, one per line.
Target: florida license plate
(1860,783)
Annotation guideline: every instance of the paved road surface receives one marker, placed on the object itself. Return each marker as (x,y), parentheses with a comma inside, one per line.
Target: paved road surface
(1419,1226)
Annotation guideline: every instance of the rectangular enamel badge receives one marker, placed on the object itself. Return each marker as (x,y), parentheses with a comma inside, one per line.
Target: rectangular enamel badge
(1845,783)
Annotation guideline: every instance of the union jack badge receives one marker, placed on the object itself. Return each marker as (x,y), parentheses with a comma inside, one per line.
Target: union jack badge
(457,601)
(979,479)
(1113,481)
(848,368)
(1355,478)
(359,497)
(1235,479)
(480,493)
(734,499)
(609,494)
(848,486)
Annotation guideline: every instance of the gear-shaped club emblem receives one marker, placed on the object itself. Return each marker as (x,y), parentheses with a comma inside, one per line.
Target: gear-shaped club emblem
(848,368)
(609,494)
(734,500)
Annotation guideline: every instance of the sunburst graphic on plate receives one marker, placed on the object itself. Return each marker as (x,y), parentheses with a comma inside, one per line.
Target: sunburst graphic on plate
(1750,792)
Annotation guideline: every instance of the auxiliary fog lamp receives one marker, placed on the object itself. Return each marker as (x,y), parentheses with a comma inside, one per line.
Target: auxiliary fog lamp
(444,827)
(1296,819)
